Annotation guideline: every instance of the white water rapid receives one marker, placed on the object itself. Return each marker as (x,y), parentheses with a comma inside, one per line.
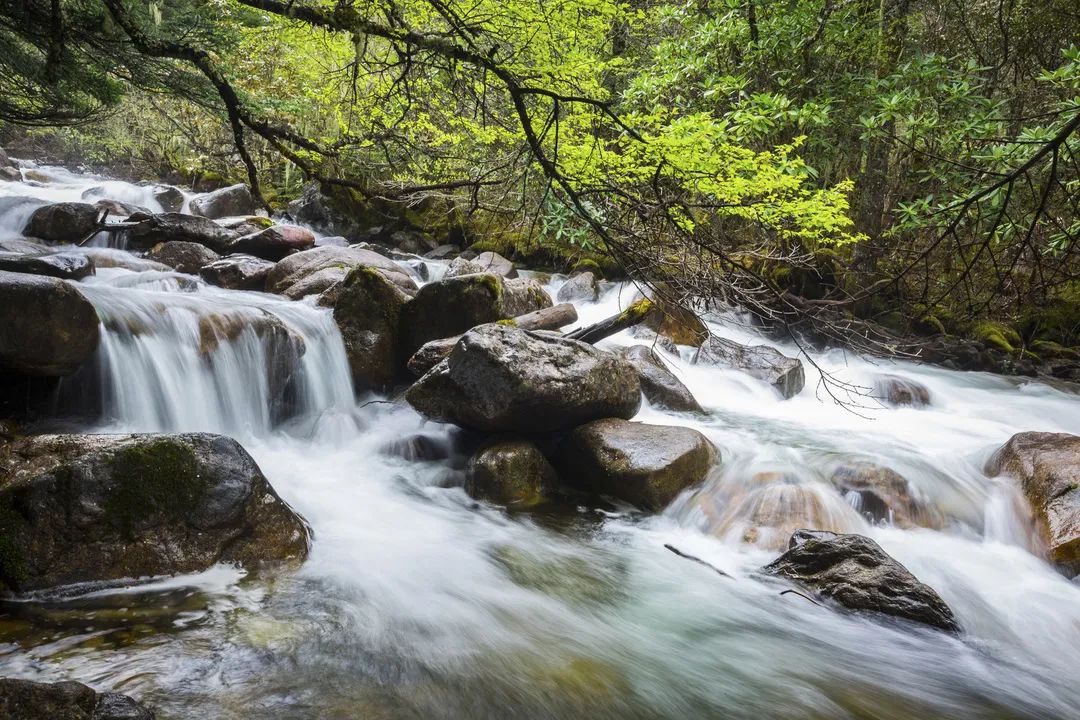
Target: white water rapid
(418,602)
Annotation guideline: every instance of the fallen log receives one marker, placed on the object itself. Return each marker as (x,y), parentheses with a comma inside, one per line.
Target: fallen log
(636,314)
(549,318)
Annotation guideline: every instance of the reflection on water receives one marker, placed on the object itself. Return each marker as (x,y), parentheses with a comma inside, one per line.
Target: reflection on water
(418,602)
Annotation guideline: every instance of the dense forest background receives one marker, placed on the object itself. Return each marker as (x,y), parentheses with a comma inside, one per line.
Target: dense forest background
(861,171)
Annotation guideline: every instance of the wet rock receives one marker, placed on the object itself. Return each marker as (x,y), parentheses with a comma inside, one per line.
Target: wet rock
(900,392)
(237,272)
(275,242)
(24,246)
(28,700)
(367,309)
(443,252)
(855,572)
(511,472)
(658,383)
(884,496)
(582,287)
(98,508)
(450,307)
(1047,465)
(117,208)
(677,323)
(645,465)
(185,257)
(174,227)
(225,202)
(112,258)
(413,242)
(460,266)
(47,327)
(759,361)
(650,338)
(61,265)
(68,222)
(319,269)
(171,199)
(10,174)
(419,447)
(502,379)
(493,262)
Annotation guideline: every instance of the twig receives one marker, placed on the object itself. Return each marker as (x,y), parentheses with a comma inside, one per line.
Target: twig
(698,560)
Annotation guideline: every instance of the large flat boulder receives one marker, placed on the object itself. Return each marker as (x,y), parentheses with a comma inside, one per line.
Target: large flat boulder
(758,361)
(493,262)
(582,287)
(645,465)
(275,242)
(66,266)
(502,379)
(100,508)
(450,307)
(185,257)
(1047,465)
(237,272)
(67,222)
(658,383)
(230,201)
(168,227)
(367,309)
(854,572)
(29,700)
(320,269)
(47,327)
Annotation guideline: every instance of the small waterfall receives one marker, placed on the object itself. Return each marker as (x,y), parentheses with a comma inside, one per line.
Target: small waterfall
(178,355)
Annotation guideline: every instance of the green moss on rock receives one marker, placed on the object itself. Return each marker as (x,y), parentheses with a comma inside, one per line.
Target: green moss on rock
(158,478)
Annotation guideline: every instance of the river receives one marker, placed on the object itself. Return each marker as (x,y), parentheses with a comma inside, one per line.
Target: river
(419,602)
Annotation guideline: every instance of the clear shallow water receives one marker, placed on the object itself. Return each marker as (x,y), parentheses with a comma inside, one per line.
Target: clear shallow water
(418,602)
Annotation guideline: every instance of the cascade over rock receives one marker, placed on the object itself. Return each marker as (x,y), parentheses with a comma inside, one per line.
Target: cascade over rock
(90,508)
(502,379)
(1047,465)
(759,361)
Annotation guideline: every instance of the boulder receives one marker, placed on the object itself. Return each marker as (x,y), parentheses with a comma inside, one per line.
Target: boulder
(493,262)
(510,472)
(582,287)
(101,508)
(854,572)
(24,246)
(450,307)
(117,208)
(413,242)
(225,202)
(367,309)
(185,257)
(67,266)
(677,323)
(169,198)
(319,269)
(645,465)
(443,252)
(502,379)
(67,222)
(1047,465)
(275,242)
(10,174)
(237,272)
(28,700)
(658,383)
(900,392)
(172,227)
(759,361)
(884,495)
(47,327)
(460,266)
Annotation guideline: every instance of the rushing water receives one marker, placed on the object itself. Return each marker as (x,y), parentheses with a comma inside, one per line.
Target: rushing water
(418,602)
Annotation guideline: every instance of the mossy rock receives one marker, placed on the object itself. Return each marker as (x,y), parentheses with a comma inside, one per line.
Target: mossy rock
(101,508)
(998,335)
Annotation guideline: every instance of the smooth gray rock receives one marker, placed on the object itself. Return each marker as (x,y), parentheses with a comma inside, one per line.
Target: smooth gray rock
(367,309)
(510,472)
(185,257)
(502,379)
(67,222)
(319,269)
(759,361)
(66,266)
(225,202)
(274,242)
(170,227)
(582,287)
(237,272)
(658,383)
(47,327)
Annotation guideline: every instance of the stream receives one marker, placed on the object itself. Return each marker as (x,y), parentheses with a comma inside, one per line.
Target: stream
(419,602)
